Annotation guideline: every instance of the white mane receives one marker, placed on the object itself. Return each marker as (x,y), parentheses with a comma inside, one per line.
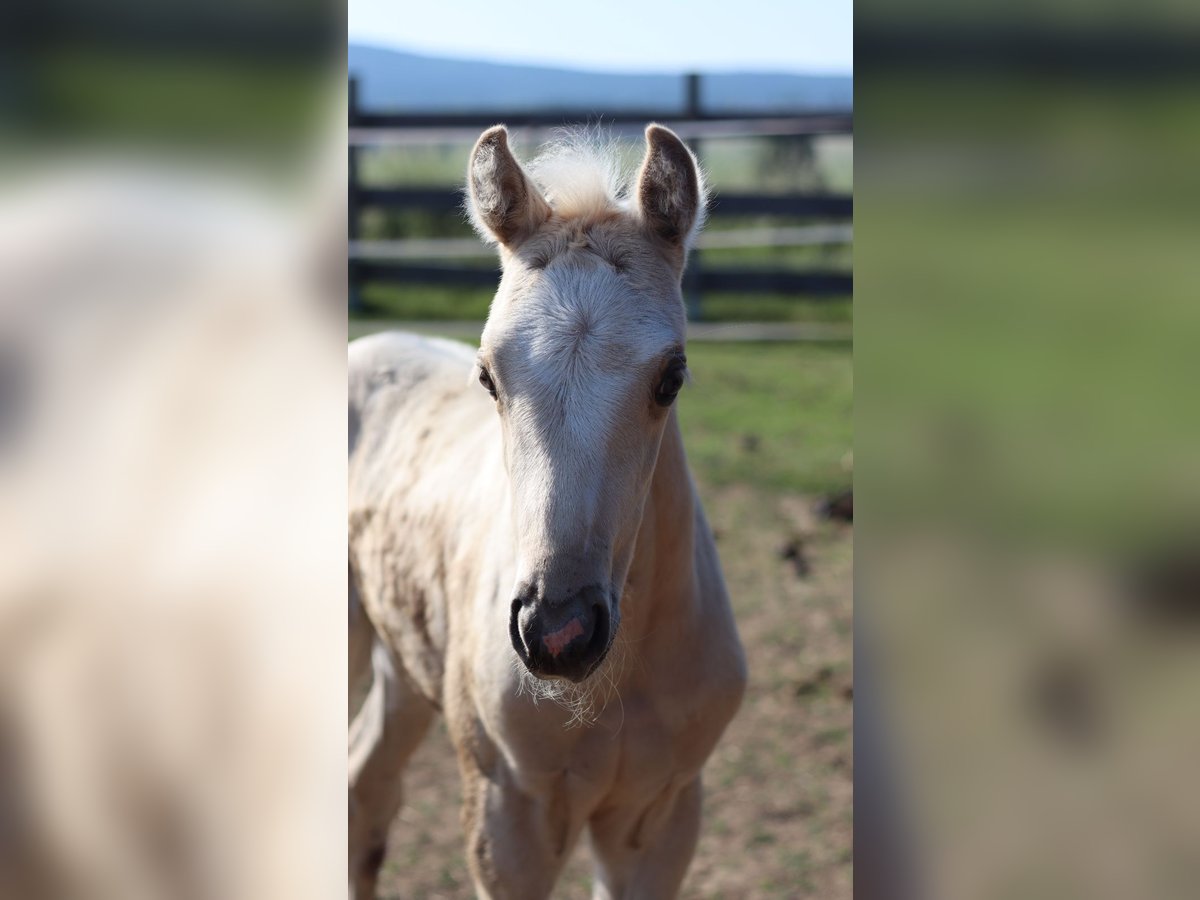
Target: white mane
(580,172)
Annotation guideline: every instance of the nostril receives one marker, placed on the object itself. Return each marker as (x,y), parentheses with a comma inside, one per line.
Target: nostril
(599,638)
(514,631)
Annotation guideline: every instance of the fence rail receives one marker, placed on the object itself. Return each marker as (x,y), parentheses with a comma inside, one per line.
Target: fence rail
(812,283)
(821,122)
(711,239)
(445,200)
(371,261)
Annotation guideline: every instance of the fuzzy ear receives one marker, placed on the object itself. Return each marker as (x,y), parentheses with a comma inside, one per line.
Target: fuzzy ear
(670,189)
(505,206)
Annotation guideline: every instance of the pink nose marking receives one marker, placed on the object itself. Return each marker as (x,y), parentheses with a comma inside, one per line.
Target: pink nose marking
(556,641)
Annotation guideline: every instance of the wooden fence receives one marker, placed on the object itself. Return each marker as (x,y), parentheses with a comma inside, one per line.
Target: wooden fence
(374,263)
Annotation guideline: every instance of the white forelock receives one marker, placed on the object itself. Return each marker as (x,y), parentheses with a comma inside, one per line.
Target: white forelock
(581,172)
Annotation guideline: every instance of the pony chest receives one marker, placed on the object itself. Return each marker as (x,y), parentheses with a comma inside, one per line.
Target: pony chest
(632,750)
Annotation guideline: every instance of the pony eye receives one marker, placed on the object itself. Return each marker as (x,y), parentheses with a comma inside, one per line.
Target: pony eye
(485,378)
(672,380)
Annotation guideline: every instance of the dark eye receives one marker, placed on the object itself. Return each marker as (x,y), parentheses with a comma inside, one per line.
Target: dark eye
(485,378)
(672,380)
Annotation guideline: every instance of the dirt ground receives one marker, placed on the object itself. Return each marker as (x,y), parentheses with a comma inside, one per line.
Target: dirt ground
(778,789)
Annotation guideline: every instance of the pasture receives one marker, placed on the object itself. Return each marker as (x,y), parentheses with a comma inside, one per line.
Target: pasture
(768,431)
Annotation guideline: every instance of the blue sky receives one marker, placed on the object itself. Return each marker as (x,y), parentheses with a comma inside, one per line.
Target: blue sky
(620,35)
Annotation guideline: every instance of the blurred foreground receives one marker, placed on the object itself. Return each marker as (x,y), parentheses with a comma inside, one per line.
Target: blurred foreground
(172,439)
(1028,454)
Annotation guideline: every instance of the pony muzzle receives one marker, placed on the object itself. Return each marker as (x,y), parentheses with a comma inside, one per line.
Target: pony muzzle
(568,639)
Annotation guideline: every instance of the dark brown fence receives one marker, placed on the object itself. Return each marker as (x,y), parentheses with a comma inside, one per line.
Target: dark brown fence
(691,121)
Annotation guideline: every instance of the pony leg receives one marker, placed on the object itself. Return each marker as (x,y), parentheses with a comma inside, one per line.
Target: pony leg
(389,727)
(644,854)
(516,844)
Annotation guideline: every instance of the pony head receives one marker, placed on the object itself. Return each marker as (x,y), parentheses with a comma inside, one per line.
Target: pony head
(583,353)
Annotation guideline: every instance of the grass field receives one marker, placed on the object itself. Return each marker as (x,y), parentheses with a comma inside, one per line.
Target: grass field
(773,417)
(768,429)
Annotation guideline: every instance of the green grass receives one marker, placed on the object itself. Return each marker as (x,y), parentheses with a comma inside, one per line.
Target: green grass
(774,308)
(830,256)
(390,301)
(774,416)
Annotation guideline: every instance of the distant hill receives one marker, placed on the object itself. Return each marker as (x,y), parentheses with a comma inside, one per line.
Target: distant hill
(392,81)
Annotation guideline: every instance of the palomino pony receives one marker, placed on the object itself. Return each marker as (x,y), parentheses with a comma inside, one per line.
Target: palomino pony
(527,552)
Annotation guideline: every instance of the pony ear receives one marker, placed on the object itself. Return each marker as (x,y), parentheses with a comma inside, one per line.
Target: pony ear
(505,206)
(670,189)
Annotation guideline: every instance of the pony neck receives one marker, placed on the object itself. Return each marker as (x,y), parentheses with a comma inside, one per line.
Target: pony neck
(662,572)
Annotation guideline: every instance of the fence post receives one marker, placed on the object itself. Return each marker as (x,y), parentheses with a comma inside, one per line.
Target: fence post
(353,206)
(691,275)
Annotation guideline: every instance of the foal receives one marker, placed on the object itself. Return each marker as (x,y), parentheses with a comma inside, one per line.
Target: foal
(527,552)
